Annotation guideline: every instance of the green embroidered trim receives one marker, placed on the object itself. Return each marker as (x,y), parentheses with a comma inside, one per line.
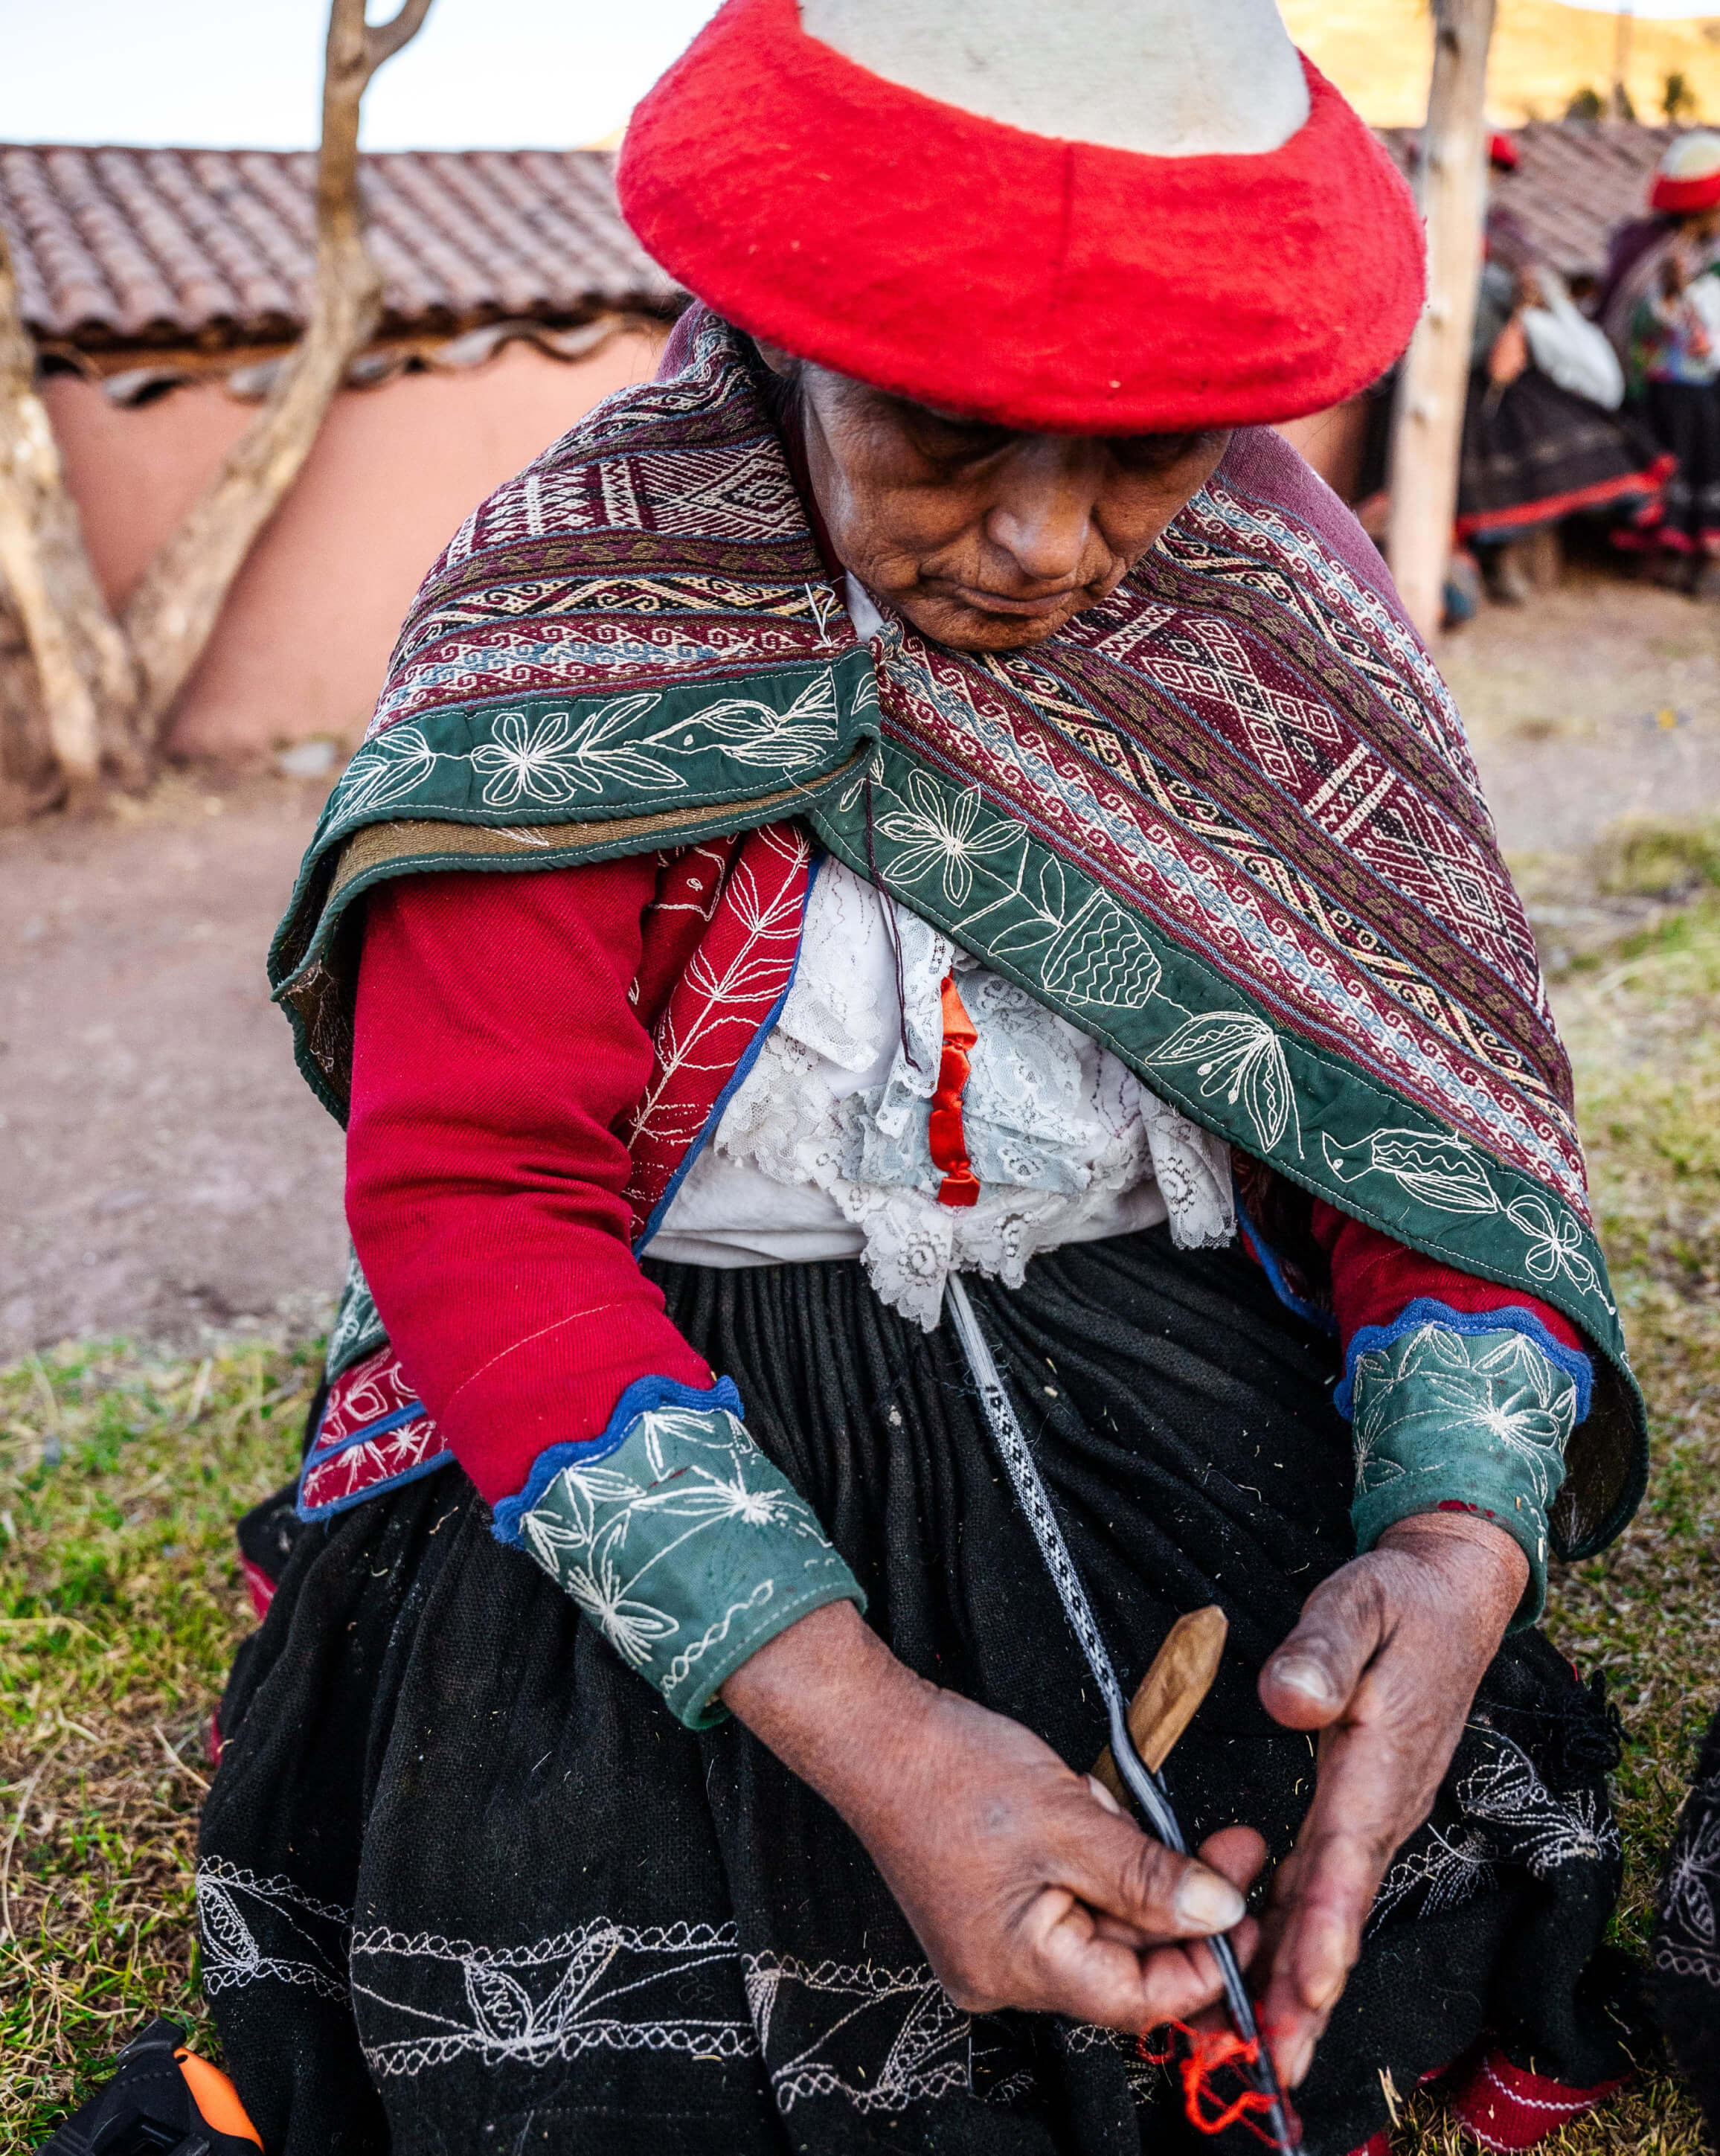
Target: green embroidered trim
(990,882)
(688,1550)
(1476,1418)
(358,1329)
(997,891)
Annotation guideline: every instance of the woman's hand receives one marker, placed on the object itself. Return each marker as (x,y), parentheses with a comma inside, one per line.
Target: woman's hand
(1385,1663)
(1022,1880)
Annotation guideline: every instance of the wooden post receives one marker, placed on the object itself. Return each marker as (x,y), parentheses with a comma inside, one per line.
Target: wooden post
(1427,428)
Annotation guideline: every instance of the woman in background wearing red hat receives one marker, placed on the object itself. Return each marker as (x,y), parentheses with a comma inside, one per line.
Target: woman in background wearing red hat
(913,909)
(1543,438)
(1660,306)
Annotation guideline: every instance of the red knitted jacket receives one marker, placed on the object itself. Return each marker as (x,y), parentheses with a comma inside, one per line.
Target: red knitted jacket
(502,1032)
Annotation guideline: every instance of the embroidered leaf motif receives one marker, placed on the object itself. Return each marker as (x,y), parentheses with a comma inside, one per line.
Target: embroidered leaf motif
(227,1936)
(500,2006)
(773,740)
(386,769)
(1444,1172)
(1238,1060)
(1103,957)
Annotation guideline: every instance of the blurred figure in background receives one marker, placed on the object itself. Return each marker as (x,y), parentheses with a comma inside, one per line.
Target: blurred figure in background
(1543,435)
(1660,305)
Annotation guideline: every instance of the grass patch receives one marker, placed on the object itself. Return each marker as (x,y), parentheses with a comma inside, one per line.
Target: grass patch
(120,1603)
(120,1598)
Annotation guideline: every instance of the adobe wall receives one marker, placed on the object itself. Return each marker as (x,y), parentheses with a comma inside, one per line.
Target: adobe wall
(302,643)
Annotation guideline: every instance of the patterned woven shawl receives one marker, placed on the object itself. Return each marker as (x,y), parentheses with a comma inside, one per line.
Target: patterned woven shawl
(1226,822)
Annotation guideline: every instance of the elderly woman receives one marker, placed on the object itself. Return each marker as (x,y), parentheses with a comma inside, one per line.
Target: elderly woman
(911,884)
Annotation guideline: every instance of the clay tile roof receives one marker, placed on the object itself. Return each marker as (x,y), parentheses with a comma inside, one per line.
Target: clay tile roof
(1576,181)
(130,247)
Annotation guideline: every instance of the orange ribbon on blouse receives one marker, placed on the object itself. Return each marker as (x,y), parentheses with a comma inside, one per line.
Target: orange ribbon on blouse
(948,1139)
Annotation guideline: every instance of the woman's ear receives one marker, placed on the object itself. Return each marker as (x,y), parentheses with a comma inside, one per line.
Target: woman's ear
(779,362)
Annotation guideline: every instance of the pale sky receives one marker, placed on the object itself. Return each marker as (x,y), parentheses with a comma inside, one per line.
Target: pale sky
(246,73)
(221,74)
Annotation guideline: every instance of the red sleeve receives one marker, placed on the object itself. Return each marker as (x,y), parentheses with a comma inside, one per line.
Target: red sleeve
(494,1051)
(1375,1280)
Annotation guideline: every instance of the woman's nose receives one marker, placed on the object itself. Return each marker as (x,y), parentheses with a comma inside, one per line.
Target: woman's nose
(1042,516)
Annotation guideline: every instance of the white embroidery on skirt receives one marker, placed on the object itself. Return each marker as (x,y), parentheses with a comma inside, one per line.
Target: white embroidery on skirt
(1508,1816)
(260,1930)
(879,2038)
(1688,1943)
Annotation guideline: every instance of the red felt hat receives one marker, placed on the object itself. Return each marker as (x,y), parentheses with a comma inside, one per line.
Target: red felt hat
(1503,152)
(1688,175)
(1036,282)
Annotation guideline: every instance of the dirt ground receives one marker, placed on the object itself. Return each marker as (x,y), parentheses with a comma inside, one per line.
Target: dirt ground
(165,1172)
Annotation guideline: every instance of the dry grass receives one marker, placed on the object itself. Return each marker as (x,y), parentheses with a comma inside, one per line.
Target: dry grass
(121,1602)
(120,1598)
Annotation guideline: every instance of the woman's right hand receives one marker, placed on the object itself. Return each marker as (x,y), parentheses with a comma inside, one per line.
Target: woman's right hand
(1024,1882)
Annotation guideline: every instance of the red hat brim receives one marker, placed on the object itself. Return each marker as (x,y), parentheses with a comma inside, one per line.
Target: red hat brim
(1041,284)
(1679,196)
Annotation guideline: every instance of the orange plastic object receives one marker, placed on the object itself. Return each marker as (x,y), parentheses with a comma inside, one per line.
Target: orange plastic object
(216,2098)
(947,1138)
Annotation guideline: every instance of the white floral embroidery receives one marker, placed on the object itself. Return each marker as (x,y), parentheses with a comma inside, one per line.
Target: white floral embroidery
(700,1470)
(879,2038)
(1499,1387)
(256,1930)
(1555,1244)
(1687,1942)
(940,832)
(555,758)
(1506,1816)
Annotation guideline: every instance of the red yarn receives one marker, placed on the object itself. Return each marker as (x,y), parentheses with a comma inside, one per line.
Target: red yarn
(1041,284)
(1210,2052)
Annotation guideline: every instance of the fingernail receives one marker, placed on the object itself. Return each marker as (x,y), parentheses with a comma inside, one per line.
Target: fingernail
(1303,1674)
(1301,2057)
(1207,1903)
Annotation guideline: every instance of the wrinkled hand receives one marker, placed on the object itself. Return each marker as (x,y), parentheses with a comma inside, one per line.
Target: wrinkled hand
(1024,1882)
(1385,1663)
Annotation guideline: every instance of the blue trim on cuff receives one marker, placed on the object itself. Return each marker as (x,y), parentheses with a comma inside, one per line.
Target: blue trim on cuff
(643,1396)
(1510,1317)
(753,1050)
(1323,1320)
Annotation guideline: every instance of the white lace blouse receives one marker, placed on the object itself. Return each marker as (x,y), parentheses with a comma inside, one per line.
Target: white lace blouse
(822,1151)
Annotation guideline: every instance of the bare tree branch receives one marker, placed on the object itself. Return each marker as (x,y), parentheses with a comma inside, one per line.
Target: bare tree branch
(108,688)
(385,39)
(171,615)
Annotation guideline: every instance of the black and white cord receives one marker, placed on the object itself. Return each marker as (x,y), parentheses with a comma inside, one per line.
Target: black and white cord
(1144,1785)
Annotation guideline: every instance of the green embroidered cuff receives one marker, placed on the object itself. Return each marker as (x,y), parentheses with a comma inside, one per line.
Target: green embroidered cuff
(1479,1419)
(688,1550)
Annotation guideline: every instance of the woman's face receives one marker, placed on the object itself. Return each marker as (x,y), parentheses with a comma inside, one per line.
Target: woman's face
(986,539)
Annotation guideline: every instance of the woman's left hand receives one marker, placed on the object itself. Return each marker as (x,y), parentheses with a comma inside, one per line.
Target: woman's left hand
(1385,1663)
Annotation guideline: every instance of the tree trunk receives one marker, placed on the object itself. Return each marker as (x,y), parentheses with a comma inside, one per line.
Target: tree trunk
(170,617)
(84,671)
(107,688)
(1427,430)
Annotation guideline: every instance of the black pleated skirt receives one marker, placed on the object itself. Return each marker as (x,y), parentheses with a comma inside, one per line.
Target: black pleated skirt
(466,1884)
(1533,453)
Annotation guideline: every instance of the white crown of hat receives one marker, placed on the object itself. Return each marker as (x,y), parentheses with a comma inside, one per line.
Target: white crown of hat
(1692,156)
(1164,77)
